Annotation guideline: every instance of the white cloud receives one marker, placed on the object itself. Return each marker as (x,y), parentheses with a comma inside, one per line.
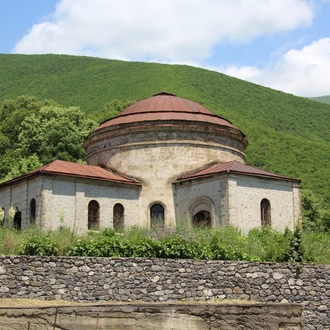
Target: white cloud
(155,30)
(304,72)
(186,32)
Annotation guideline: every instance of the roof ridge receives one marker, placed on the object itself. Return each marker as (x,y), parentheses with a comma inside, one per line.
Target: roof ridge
(58,167)
(164,93)
(234,167)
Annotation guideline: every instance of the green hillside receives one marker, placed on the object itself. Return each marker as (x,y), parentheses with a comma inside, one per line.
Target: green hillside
(323,99)
(288,135)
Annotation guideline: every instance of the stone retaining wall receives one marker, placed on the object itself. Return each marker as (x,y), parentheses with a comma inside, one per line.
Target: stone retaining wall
(155,280)
(153,316)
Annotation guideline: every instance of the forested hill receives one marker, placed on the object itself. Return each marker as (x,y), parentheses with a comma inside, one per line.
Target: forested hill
(288,135)
(324,99)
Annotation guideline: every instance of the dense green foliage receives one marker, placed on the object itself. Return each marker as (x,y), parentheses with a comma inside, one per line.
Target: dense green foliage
(34,132)
(226,243)
(288,135)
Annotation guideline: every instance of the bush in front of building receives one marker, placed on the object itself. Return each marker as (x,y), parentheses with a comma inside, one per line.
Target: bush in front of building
(227,243)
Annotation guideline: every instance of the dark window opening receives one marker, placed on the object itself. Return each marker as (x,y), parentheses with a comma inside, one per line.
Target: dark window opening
(265,212)
(32,210)
(157,215)
(18,220)
(93,215)
(202,219)
(118,217)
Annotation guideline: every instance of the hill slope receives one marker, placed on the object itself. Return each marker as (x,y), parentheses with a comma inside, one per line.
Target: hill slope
(287,134)
(324,99)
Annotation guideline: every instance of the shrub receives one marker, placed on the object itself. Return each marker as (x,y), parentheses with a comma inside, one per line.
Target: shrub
(226,243)
(143,247)
(39,245)
(99,245)
(269,245)
(172,247)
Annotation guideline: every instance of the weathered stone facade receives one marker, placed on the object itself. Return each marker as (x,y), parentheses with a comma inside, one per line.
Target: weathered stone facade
(235,200)
(63,201)
(159,280)
(166,153)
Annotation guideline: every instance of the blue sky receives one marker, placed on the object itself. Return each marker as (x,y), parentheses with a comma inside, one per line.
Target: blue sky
(283,44)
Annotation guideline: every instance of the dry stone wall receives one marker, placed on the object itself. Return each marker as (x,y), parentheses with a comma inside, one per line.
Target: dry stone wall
(165,280)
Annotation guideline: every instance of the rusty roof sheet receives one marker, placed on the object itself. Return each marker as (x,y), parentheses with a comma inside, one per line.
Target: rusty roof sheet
(61,167)
(233,167)
(162,116)
(165,106)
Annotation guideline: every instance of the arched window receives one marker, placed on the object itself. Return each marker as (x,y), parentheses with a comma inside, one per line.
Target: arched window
(93,215)
(157,215)
(202,219)
(265,212)
(32,210)
(118,217)
(18,220)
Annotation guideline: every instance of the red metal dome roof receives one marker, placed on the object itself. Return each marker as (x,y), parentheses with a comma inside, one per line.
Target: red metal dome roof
(166,107)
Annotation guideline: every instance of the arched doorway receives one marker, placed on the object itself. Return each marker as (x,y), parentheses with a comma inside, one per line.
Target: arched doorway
(201,213)
(202,219)
(265,213)
(118,217)
(93,215)
(18,220)
(157,215)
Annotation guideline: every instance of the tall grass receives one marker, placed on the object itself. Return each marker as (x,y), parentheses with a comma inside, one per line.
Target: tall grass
(225,243)
(317,246)
(12,240)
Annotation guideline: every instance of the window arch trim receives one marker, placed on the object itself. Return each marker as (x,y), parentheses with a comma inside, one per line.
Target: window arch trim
(202,204)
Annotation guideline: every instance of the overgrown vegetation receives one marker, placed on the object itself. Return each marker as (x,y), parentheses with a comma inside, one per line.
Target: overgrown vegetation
(263,245)
(287,135)
(35,132)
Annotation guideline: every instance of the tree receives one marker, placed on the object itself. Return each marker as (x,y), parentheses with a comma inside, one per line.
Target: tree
(34,132)
(112,109)
(12,113)
(316,212)
(55,133)
(21,166)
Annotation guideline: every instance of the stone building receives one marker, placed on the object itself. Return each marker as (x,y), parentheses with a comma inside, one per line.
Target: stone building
(162,161)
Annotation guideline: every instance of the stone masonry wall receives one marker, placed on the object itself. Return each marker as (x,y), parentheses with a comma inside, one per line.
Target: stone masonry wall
(156,280)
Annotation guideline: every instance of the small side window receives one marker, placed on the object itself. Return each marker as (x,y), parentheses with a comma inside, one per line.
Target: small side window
(93,215)
(157,215)
(118,217)
(32,210)
(265,212)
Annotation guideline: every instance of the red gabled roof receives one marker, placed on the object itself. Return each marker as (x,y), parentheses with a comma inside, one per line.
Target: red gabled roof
(61,167)
(163,107)
(233,167)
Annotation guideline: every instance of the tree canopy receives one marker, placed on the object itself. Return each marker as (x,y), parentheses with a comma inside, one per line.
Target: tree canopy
(34,132)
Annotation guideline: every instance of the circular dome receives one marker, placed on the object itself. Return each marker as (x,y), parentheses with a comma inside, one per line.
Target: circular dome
(164,131)
(164,107)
